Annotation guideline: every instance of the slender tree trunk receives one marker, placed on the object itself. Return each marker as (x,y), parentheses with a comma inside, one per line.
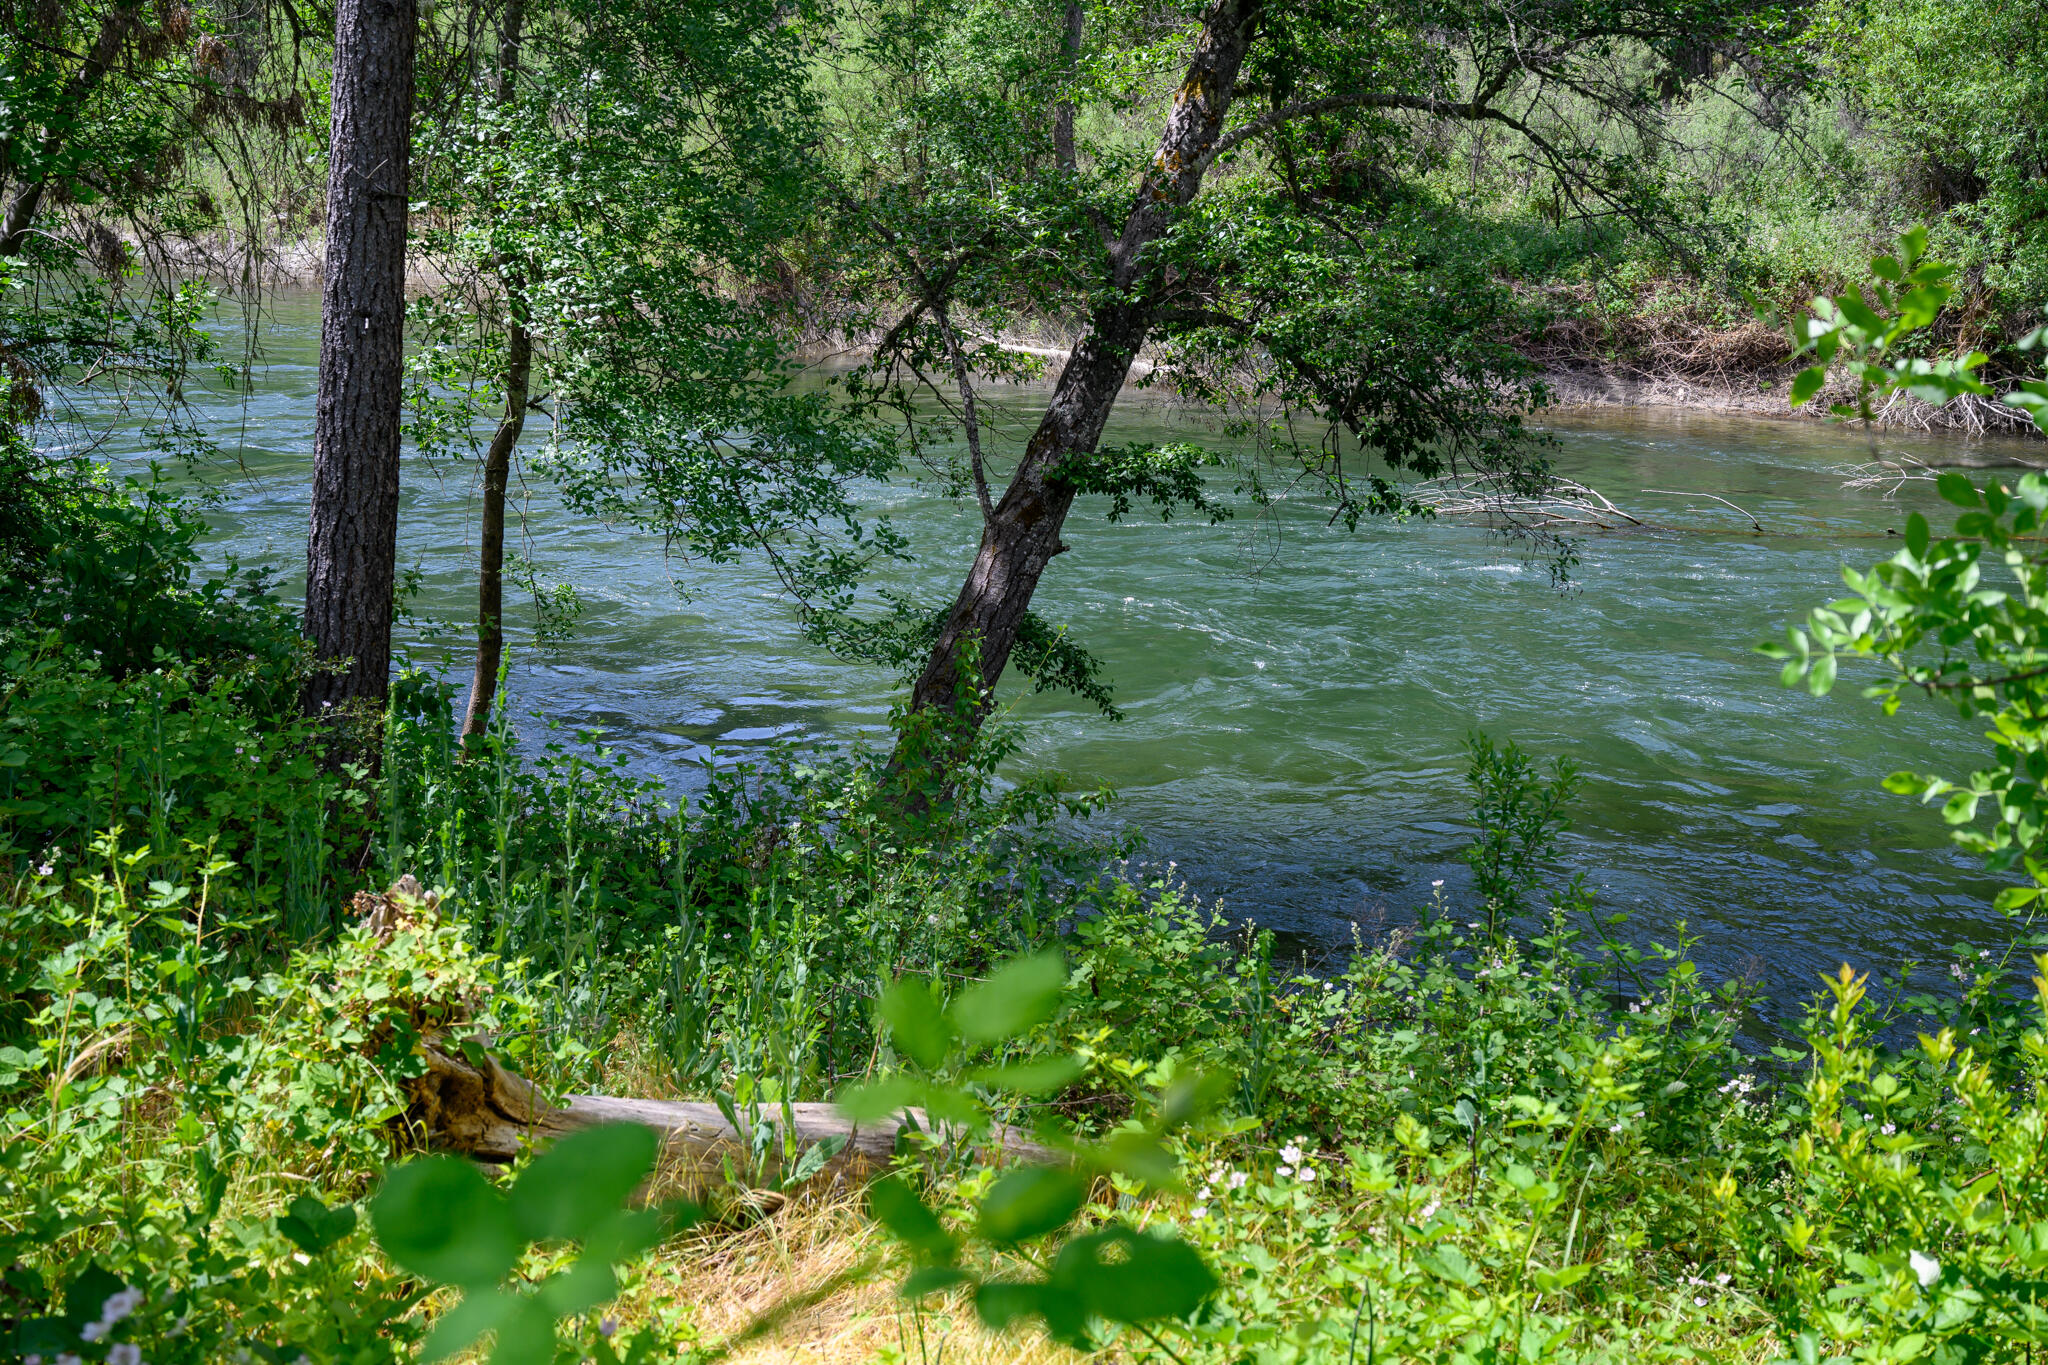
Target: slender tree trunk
(490,573)
(99,59)
(1063,112)
(1020,539)
(352,547)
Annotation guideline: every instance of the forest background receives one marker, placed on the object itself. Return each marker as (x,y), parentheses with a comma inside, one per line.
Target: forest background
(586,242)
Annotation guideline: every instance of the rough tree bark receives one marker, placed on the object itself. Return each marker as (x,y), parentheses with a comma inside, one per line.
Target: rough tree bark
(1063,112)
(352,546)
(1021,536)
(497,473)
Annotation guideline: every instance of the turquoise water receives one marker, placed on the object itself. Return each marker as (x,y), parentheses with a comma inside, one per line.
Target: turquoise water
(1296,696)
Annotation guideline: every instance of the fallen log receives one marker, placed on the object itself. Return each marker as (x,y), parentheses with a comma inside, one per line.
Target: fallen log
(466,1102)
(481,1110)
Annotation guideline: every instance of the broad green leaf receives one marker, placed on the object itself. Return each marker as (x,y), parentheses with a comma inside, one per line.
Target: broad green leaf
(1029,1202)
(896,1207)
(915,1022)
(441,1220)
(1822,677)
(459,1327)
(526,1336)
(313,1227)
(931,1279)
(1917,535)
(1033,1077)
(881,1099)
(1022,994)
(1002,1303)
(1150,1277)
(1809,382)
(1956,488)
(582,1180)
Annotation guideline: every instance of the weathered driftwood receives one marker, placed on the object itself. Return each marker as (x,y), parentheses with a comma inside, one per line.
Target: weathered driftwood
(487,1112)
(467,1102)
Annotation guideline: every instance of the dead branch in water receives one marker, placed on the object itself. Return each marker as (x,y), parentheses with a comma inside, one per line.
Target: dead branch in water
(1493,499)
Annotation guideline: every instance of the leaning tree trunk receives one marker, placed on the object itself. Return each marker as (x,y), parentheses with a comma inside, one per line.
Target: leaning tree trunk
(352,547)
(1023,534)
(490,571)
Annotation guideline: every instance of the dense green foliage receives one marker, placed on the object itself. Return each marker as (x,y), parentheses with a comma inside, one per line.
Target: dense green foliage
(1504,1130)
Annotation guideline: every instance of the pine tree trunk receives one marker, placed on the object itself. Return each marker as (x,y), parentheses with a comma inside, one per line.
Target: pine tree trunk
(1023,535)
(352,547)
(490,572)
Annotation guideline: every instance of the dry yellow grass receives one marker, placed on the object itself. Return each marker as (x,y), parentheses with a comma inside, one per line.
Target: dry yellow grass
(822,1258)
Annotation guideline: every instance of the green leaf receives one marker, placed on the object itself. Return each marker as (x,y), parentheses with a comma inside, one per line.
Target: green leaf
(441,1220)
(931,1279)
(919,1029)
(526,1336)
(582,1180)
(1550,1281)
(880,1099)
(1152,1277)
(1823,676)
(459,1327)
(1449,1263)
(312,1227)
(1956,488)
(1809,382)
(587,1282)
(1022,994)
(1033,1077)
(1002,1303)
(896,1207)
(1029,1202)
(1917,535)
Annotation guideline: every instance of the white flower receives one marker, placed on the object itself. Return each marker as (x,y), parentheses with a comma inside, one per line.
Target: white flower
(1308,1173)
(1284,1171)
(1427,1212)
(1925,1267)
(1290,1154)
(1889,1129)
(1700,1302)
(1438,882)
(119,1305)
(1955,969)
(1237,1179)
(1200,1211)
(45,870)
(124,1353)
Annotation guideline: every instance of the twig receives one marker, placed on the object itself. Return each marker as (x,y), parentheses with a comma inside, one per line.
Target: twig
(1674,493)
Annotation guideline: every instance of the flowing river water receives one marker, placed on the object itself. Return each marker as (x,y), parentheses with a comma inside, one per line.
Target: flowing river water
(1296,696)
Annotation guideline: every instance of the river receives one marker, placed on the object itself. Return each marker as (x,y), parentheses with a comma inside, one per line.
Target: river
(1296,696)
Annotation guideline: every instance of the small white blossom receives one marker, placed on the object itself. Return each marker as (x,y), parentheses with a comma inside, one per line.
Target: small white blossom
(1889,1129)
(119,1305)
(1427,1212)
(1284,1172)
(45,870)
(1925,1267)
(1955,969)
(1290,1154)
(1437,883)
(125,1353)
(1237,1179)
(1308,1173)
(1199,1211)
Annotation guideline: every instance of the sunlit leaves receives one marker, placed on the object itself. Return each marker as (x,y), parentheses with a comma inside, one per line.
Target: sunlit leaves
(442,1220)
